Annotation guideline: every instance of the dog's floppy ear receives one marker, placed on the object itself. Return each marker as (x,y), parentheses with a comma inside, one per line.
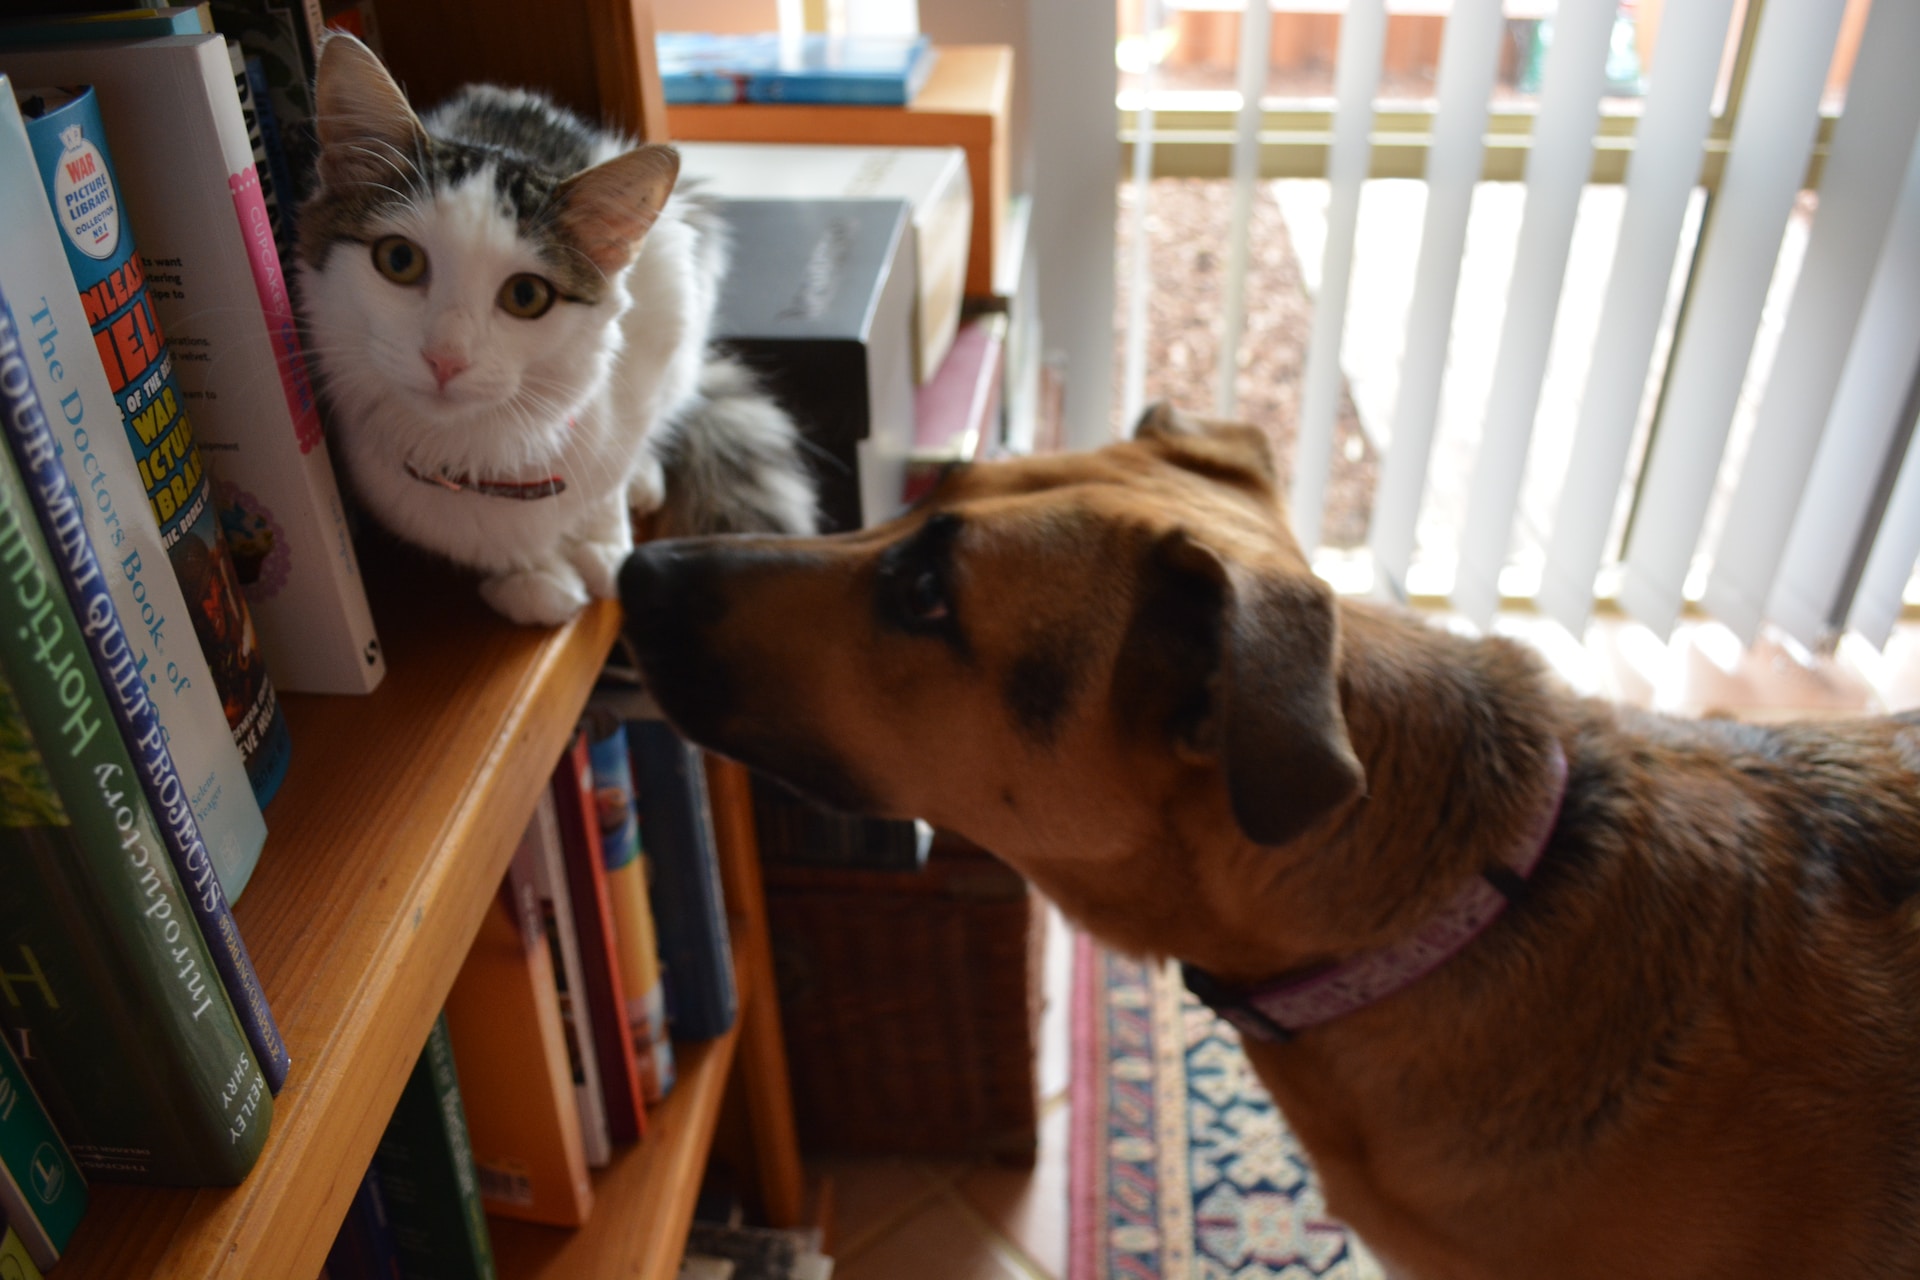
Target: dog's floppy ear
(1242,661)
(1206,444)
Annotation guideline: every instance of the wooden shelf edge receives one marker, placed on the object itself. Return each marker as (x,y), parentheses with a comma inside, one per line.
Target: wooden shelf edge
(643,1201)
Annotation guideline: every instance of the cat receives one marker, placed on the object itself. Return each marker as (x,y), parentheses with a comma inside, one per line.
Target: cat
(508,317)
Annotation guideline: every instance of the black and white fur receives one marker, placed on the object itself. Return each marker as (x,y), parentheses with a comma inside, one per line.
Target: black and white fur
(442,397)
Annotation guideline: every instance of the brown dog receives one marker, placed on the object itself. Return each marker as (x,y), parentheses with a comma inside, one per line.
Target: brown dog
(1692,1047)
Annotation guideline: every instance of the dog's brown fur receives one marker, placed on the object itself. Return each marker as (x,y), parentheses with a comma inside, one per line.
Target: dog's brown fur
(1693,1050)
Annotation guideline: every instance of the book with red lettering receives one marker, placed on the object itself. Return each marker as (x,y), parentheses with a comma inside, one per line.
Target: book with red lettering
(75,164)
(187,170)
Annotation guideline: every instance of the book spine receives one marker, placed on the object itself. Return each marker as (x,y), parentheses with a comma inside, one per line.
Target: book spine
(41,1191)
(267,117)
(271,191)
(546,870)
(56,505)
(97,458)
(364,1248)
(572,791)
(77,171)
(425,1161)
(676,825)
(15,1262)
(267,30)
(131,1044)
(632,913)
(829,90)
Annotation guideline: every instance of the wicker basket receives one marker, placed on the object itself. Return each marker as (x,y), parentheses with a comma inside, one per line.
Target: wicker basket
(911,1005)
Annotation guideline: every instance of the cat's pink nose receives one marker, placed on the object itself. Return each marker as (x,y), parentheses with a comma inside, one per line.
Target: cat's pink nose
(445,367)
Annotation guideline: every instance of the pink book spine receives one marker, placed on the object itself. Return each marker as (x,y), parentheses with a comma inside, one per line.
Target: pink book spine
(271,282)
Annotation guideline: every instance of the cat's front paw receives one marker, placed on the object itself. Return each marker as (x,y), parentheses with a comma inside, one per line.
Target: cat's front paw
(536,597)
(647,486)
(598,564)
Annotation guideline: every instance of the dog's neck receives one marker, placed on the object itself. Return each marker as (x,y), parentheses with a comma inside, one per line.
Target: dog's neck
(1422,708)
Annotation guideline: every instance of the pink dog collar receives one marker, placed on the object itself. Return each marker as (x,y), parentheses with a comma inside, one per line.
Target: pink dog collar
(1278,1011)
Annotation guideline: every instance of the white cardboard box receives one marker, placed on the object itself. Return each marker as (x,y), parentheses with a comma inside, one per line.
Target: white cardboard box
(931,179)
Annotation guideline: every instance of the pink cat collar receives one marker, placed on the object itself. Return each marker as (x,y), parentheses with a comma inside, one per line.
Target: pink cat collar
(523,489)
(1279,1010)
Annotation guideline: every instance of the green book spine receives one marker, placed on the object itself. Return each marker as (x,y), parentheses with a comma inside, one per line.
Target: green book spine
(41,1191)
(15,1262)
(425,1163)
(107,990)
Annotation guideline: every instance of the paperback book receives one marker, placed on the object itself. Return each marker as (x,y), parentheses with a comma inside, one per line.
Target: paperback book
(42,1193)
(76,169)
(814,67)
(83,583)
(94,451)
(112,1002)
(425,1164)
(188,172)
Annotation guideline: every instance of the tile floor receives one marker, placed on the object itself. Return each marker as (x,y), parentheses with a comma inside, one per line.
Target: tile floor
(933,1220)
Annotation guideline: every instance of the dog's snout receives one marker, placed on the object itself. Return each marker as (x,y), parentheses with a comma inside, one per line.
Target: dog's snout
(669,585)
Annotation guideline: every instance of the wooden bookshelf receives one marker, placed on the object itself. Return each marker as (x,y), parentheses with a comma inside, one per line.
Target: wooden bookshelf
(399,815)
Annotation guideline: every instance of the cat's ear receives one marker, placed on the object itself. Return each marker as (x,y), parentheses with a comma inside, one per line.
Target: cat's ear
(606,211)
(368,133)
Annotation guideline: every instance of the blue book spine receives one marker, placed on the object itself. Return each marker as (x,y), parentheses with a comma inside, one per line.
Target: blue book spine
(56,506)
(689,906)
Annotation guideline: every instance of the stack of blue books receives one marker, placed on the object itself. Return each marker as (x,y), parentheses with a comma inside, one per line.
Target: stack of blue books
(811,68)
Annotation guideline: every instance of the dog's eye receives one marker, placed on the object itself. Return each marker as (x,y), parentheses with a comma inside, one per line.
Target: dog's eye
(925,597)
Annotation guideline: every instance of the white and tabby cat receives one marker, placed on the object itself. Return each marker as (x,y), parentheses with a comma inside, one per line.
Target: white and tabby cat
(509,319)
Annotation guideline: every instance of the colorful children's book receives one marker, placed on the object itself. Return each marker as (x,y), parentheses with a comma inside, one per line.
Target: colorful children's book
(76,169)
(689,907)
(813,68)
(632,911)
(425,1162)
(99,461)
(600,951)
(504,1019)
(546,866)
(191,184)
(26,423)
(42,1192)
(112,1001)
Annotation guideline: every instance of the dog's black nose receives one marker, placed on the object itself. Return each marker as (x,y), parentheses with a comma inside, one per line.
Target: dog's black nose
(669,586)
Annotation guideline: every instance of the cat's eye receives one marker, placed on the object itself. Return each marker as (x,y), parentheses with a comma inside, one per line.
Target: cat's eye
(400,259)
(526,295)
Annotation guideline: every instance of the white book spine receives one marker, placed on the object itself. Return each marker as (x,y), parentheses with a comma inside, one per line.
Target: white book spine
(549,869)
(184,160)
(97,457)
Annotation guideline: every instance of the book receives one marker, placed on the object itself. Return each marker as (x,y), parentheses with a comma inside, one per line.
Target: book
(98,459)
(956,417)
(42,1192)
(115,24)
(689,906)
(111,999)
(53,501)
(272,189)
(15,1262)
(546,868)
(76,171)
(189,178)
(932,179)
(425,1163)
(633,923)
(504,1022)
(600,955)
(833,347)
(284,37)
(273,142)
(813,67)
(967,102)
(365,1247)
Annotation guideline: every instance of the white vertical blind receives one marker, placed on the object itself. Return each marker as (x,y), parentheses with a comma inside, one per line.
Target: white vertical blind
(1363,35)
(1859,432)
(1256,40)
(1660,178)
(1876,605)
(1557,167)
(1469,57)
(1858,188)
(1779,116)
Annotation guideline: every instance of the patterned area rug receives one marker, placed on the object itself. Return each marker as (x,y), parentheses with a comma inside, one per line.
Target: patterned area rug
(1181,1167)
